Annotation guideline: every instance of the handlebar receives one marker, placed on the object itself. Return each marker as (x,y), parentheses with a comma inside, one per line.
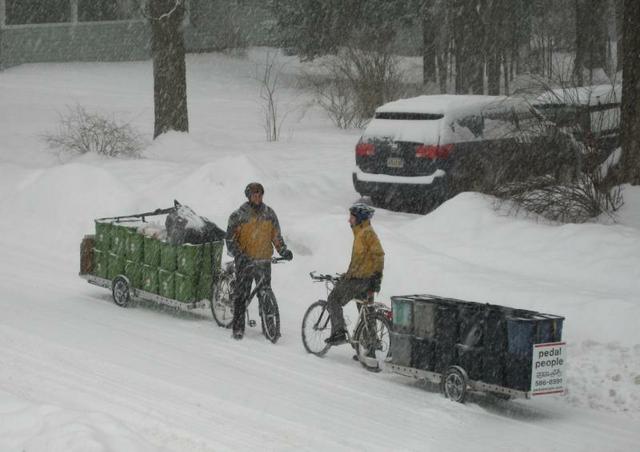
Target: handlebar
(319,277)
(278,260)
(272,260)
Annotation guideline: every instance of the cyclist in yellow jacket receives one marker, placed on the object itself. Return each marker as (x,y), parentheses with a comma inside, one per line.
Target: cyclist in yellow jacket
(253,232)
(364,273)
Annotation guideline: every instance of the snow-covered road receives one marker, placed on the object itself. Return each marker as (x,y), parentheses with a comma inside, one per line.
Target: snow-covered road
(78,373)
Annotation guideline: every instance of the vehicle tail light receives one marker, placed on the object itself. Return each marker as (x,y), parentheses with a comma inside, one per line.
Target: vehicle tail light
(365,149)
(434,152)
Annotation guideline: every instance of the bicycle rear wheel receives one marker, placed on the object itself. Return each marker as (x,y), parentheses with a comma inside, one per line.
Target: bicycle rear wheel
(316,327)
(222,302)
(373,342)
(270,316)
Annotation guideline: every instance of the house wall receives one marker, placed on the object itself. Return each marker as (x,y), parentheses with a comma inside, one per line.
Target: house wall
(95,41)
(206,29)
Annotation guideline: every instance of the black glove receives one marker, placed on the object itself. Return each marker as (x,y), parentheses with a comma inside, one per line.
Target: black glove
(286,254)
(375,282)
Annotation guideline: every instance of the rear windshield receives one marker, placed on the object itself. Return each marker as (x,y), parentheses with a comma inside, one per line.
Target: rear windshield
(409,116)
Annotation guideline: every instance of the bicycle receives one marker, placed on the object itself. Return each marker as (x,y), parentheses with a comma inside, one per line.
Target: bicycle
(222,301)
(370,338)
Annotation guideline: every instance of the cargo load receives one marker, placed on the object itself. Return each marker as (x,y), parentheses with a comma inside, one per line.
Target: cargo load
(173,262)
(492,346)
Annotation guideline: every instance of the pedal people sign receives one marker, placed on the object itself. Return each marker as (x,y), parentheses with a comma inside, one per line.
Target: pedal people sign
(547,369)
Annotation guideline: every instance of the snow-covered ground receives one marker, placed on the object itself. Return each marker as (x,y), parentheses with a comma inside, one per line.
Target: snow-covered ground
(78,373)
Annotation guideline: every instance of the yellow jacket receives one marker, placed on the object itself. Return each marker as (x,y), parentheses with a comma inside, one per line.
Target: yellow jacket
(367,255)
(254,232)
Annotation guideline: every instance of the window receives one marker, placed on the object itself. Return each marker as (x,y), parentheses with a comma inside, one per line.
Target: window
(20,12)
(475,123)
(93,11)
(409,116)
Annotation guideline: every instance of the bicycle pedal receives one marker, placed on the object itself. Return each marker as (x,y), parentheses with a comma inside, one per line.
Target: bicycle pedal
(252,323)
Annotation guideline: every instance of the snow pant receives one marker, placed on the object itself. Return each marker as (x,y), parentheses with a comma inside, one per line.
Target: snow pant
(246,273)
(344,291)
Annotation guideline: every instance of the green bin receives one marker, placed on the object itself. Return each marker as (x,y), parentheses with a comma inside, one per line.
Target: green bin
(186,287)
(149,278)
(206,258)
(205,285)
(116,265)
(166,283)
(134,246)
(189,259)
(103,235)
(151,251)
(100,263)
(133,271)
(119,234)
(168,259)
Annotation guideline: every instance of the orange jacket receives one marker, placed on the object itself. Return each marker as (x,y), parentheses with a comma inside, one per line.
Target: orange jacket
(367,255)
(254,232)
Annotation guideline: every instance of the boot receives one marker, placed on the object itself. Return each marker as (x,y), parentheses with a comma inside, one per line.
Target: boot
(337,338)
(237,335)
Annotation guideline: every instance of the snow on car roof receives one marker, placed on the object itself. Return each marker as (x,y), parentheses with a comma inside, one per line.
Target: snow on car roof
(583,95)
(451,107)
(446,104)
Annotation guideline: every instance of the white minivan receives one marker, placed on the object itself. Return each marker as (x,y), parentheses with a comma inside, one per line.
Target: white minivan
(416,153)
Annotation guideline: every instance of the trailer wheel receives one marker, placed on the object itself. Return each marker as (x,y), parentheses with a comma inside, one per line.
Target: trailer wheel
(120,291)
(454,384)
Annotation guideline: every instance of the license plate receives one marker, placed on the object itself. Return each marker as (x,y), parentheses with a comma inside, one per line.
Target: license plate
(395,162)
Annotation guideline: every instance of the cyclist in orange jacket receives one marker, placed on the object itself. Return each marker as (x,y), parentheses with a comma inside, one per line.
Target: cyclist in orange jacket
(253,232)
(364,273)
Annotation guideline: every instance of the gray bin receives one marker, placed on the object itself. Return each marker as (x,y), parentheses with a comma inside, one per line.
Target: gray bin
(401,349)
(424,318)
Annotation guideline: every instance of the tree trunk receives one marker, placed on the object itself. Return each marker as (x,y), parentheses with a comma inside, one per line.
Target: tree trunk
(619,6)
(169,71)
(630,119)
(468,41)
(591,37)
(506,72)
(597,33)
(581,42)
(496,25)
(429,28)
(442,70)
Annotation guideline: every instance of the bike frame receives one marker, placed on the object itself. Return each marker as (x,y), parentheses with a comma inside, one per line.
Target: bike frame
(364,306)
(260,286)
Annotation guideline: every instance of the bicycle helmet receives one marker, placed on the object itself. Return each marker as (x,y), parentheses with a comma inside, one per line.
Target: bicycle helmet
(361,211)
(252,188)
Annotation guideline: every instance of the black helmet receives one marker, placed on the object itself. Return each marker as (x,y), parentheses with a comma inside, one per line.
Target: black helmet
(361,211)
(252,188)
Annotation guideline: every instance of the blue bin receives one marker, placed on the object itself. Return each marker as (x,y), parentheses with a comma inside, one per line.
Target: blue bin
(525,329)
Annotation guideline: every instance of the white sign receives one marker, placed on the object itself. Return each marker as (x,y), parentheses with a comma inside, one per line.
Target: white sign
(547,368)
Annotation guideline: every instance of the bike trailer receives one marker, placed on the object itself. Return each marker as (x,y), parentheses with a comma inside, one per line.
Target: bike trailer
(133,258)
(469,346)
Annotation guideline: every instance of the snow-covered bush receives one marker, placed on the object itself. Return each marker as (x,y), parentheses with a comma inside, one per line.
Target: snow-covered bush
(268,77)
(81,132)
(356,83)
(589,196)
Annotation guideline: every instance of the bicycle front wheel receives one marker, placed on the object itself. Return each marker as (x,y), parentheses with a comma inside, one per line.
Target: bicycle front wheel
(270,316)
(316,327)
(373,342)
(222,301)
